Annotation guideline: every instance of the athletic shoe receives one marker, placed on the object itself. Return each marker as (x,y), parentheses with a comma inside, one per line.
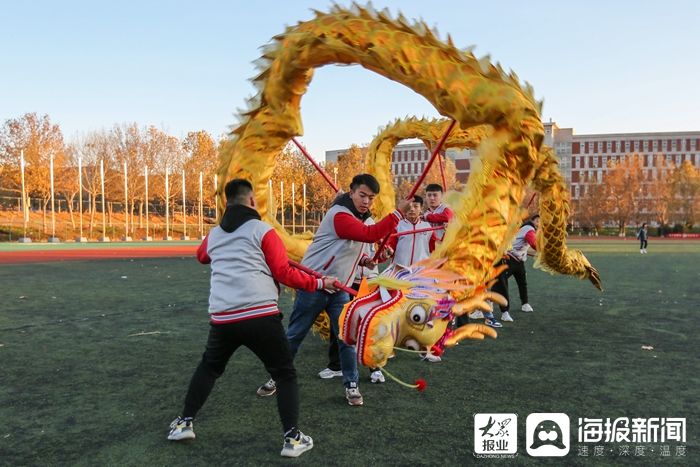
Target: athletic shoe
(491,321)
(181,429)
(641,252)
(428,357)
(476,315)
(353,396)
(296,443)
(267,389)
(377,377)
(327,373)
(527,308)
(506,317)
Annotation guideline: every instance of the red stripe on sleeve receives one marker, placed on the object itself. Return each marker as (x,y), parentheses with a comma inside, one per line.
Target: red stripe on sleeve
(531,239)
(348,227)
(443,217)
(276,259)
(202,255)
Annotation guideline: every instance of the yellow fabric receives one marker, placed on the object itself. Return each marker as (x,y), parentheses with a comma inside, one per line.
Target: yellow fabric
(494,112)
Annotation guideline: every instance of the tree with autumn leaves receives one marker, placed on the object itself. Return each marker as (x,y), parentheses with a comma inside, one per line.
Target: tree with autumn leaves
(630,194)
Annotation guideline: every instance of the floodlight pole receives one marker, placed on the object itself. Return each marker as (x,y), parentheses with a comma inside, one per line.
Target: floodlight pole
(25,210)
(148,238)
(294,210)
(104,238)
(282,201)
(127,238)
(201,221)
(53,238)
(184,208)
(167,204)
(80,197)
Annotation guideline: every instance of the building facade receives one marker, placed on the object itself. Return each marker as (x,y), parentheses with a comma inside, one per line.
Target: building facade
(409,160)
(583,159)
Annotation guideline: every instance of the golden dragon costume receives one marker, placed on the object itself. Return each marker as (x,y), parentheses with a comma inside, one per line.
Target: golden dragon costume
(415,304)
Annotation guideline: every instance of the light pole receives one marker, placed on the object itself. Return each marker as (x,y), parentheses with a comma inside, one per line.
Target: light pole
(335,175)
(53,238)
(147,238)
(25,209)
(167,205)
(104,238)
(184,209)
(126,237)
(80,239)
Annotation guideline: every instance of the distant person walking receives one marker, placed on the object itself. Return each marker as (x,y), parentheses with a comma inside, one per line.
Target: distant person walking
(643,235)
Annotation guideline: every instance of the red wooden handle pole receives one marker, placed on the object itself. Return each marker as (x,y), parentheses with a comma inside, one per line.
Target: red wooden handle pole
(336,284)
(432,159)
(315,164)
(409,232)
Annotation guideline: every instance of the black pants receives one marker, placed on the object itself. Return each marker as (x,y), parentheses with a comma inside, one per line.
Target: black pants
(516,269)
(266,338)
(642,244)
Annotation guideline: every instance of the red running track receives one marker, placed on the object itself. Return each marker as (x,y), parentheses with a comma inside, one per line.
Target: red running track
(44,256)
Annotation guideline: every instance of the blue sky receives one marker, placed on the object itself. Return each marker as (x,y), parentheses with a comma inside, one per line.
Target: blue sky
(601,66)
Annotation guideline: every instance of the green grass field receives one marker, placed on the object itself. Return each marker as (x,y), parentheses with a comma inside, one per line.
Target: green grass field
(80,386)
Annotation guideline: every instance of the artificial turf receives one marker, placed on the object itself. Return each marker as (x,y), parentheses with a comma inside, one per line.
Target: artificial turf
(96,357)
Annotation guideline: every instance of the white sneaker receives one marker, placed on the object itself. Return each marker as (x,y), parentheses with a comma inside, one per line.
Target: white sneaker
(432,358)
(476,315)
(181,429)
(527,308)
(353,396)
(267,389)
(294,446)
(641,252)
(377,377)
(327,373)
(506,317)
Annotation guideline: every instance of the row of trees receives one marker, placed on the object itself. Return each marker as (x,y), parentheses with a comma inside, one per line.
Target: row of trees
(39,141)
(136,147)
(630,193)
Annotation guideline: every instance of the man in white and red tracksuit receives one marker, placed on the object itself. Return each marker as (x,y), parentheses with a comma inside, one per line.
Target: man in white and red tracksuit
(515,259)
(337,250)
(438,214)
(248,260)
(410,248)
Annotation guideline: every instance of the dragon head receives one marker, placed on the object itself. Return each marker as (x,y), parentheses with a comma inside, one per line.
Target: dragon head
(412,309)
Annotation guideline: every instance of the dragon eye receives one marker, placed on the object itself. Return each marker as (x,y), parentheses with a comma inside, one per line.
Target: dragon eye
(418,315)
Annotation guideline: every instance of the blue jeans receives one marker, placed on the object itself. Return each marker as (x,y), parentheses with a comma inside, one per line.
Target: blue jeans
(307,306)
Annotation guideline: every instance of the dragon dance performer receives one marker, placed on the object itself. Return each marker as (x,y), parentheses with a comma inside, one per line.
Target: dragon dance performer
(411,248)
(515,259)
(368,271)
(337,249)
(247,260)
(438,214)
